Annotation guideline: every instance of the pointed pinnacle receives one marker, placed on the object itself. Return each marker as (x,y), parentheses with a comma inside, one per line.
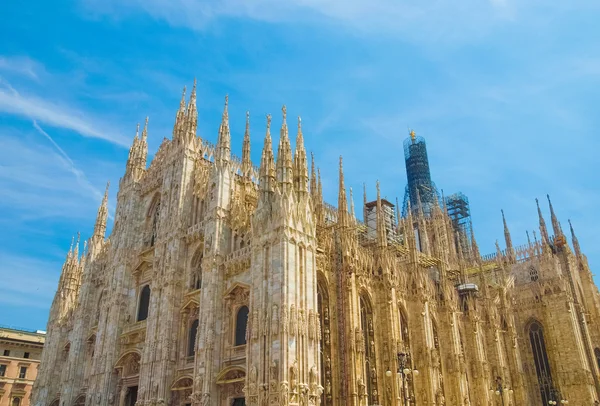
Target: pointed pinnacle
(145,130)
(71,247)
(106,191)
(182,102)
(284,111)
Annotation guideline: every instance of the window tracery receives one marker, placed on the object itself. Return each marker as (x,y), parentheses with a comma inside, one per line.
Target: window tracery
(540,359)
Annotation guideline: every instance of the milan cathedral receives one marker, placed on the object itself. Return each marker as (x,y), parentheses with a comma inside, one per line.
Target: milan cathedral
(226,284)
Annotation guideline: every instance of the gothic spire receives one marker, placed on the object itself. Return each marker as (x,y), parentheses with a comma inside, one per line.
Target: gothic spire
(224,142)
(419,205)
(246,162)
(266,174)
(555,224)
(301,166)
(474,246)
(192,115)
(132,158)
(179,125)
(284,157)
(100,226)
(575,242)
(76,252)
(143,152)
(509,246)
(381,232)
(543,229)
(342,203)
(320,187)
(313,178)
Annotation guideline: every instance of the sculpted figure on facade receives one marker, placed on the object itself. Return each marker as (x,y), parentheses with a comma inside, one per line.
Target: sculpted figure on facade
(236,275)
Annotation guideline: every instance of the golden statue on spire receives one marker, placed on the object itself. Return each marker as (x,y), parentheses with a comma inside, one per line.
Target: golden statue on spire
(413,135)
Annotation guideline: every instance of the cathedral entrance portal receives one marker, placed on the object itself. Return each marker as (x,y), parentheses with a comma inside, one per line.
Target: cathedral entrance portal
(239,402)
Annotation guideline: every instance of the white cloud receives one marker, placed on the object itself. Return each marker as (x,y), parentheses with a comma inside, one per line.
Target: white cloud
(21,65)
(422,21)
(36,182)
(35,108)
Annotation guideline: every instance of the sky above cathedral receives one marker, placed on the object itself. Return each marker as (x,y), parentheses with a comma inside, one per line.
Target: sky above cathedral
(505,92)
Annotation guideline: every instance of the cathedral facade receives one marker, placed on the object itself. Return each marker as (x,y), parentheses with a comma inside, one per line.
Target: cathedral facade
(225,284)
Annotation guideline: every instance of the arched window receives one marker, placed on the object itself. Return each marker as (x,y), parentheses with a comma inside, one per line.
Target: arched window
(197,270)
(241,324)
(144,303)
(540,358)
(192,338)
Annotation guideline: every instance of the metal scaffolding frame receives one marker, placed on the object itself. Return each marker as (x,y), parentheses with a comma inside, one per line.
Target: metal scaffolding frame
(460,213)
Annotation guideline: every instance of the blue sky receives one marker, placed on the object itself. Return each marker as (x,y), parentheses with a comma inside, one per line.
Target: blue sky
(504,91)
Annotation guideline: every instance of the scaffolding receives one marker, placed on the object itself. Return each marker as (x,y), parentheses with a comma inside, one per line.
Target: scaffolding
(460,213)
(419,186)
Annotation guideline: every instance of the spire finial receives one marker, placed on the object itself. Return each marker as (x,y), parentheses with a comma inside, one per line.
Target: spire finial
(474,246)
(137,131)
(247,119)
(413,135)
(555,224)
(508,239)
(284,111)
(575,241)
(543,229)
(71,247)
(76,252)
(145,130)
(182,102)
(268,122)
